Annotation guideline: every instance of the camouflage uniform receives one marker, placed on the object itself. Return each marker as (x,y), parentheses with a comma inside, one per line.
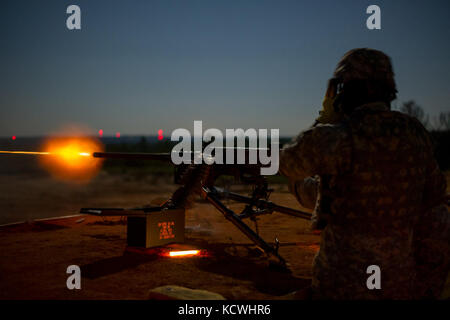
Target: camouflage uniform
(378,202)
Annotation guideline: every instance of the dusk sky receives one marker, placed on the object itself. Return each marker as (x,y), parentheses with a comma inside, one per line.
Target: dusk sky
(140,66)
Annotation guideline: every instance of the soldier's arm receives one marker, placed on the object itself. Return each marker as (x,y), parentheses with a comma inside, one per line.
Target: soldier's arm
(435,187)
(321,150)
(435,219)
(432,236)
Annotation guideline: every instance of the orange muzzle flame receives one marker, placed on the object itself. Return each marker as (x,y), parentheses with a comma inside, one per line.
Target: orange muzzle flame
(68,154)
(71,159)
(65,161)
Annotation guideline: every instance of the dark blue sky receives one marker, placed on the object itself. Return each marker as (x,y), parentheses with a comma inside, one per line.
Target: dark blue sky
(140,66)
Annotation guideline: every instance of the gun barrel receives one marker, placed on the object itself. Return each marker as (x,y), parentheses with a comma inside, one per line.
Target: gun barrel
(151,156)
(127,155)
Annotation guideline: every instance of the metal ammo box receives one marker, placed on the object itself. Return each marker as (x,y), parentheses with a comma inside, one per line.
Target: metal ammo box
(156,228)
(148,227)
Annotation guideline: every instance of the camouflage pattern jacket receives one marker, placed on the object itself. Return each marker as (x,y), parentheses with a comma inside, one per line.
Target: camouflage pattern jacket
(378,180)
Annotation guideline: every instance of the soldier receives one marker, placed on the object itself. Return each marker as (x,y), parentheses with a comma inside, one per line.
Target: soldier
(370,175)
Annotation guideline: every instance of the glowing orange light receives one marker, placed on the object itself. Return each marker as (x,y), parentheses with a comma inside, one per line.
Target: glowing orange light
(184,253)
(71,158)
(13,138)
(100,132)
(117,134)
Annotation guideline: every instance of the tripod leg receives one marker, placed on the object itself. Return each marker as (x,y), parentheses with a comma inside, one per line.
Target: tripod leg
(234,218)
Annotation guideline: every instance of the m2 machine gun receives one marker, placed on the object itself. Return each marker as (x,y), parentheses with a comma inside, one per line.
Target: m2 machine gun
(159,225)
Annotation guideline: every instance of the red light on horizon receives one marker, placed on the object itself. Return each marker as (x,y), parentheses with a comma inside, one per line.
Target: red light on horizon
(160,134)
(13,137)
(117,134)
(100,132)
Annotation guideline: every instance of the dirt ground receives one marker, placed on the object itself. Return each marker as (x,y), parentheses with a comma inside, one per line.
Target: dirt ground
(35,255)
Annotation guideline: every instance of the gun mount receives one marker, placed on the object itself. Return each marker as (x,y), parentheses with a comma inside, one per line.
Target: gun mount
(199,179)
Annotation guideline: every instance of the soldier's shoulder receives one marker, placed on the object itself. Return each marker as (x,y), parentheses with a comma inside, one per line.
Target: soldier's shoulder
(412,123)
(325,131)
(318,136)
(406,117)
(392,119)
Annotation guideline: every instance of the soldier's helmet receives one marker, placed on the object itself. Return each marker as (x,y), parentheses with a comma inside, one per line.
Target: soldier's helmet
(370,65)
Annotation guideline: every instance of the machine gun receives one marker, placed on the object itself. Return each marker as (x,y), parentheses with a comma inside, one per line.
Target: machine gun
(200,179)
